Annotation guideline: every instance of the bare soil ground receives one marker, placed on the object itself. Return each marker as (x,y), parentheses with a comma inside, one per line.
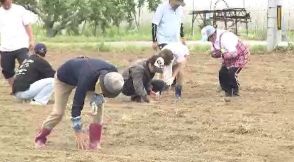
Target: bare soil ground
(257,126)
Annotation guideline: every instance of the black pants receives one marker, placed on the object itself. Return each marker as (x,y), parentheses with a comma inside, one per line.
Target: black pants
(156,86)
(228,80)
(8,61)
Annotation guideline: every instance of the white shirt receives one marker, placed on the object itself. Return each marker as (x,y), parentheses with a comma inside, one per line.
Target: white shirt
(179,50)
(169,22)
(12,28)
(180,53)
(228,40)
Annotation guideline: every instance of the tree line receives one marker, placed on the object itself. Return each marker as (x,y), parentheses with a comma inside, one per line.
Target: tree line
(74,15)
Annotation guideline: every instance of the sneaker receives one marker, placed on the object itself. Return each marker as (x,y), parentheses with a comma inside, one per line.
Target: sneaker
(33,102)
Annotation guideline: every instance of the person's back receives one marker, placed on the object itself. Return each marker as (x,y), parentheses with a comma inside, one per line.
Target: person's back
(136,66)
(94,78)
(82,67)
(32,69)
(34,78)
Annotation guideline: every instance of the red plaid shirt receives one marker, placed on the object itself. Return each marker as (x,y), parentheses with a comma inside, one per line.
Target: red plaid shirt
(238,59)
(241,59)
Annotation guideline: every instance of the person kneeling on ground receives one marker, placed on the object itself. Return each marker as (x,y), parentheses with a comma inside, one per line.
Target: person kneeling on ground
(93,77)
(174,74)
(34,78)
(138,77)
(233,53)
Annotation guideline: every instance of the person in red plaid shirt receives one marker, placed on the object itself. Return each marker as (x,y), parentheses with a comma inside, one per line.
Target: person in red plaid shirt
(233,53)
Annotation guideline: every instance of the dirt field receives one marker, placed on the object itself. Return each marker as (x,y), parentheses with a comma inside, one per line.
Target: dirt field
(258,126)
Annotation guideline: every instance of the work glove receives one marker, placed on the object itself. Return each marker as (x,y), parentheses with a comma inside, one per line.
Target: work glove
(96,102)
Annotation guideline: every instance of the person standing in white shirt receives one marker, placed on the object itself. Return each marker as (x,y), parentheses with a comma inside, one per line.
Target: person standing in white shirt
(174,74)
(167,25)
(16,37)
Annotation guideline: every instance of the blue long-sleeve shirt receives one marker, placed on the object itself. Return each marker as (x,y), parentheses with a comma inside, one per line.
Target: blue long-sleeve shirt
(82,73)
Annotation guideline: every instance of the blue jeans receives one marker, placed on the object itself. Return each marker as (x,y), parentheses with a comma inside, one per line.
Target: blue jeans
(40,91)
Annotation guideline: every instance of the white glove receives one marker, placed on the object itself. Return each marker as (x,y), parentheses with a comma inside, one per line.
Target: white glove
(170,81)
(96,102)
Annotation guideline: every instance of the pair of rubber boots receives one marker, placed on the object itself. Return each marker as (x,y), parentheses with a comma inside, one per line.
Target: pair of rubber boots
(95,132)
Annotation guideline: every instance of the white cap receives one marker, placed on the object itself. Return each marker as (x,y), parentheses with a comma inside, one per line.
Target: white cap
(206,32)
(112,84)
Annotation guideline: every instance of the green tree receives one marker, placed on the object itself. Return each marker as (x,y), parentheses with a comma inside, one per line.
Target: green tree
(70,14)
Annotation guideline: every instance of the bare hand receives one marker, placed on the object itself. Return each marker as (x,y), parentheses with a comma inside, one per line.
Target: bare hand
(155,95)
(81,140)
(155,46)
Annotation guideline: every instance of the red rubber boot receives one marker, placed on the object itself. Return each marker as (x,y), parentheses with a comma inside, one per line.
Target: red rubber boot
(41,138)
(95,132)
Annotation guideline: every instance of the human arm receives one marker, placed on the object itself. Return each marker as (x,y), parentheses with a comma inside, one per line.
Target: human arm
(27,20)
(137,76)
(183,39)
(29,31)
(155,22)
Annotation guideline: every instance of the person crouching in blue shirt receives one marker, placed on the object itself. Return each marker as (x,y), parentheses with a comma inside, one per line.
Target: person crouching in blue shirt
(92,77)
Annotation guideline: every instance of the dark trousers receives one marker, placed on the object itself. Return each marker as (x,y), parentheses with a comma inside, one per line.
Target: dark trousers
(228,80)
(156,86)
(8,61)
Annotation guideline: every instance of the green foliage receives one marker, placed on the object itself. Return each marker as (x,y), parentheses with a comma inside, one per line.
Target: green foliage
(73,16)
(205,48)
(258,49)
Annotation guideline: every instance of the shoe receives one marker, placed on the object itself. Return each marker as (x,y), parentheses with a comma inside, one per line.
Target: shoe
(33,102)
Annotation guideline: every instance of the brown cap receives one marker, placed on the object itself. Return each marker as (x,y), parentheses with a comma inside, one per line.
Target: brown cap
(179,2)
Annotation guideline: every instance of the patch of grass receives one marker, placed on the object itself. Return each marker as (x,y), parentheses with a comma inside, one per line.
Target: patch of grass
(290,35)
(258,49)
(253,34)
(201,48)
(103,48)
(285,49)
(132,49)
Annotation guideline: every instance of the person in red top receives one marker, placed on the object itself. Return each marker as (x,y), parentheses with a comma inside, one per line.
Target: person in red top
(233,53)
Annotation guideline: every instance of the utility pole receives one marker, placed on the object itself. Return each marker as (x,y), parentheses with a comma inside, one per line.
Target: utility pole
(274,24)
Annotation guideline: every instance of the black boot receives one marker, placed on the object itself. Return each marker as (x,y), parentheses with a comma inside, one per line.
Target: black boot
(178,91)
